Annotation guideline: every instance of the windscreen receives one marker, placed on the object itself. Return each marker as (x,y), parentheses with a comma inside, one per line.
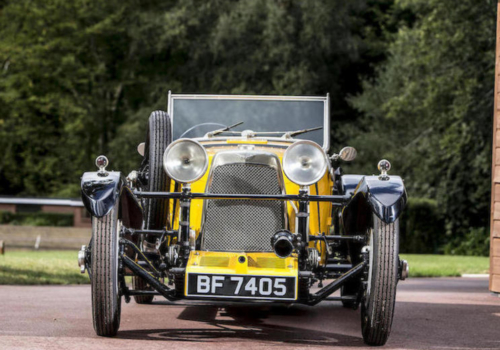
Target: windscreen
(195,117)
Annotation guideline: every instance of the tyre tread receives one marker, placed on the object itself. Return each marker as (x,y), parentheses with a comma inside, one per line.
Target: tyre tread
(380,309)
(106,305)
(159,136)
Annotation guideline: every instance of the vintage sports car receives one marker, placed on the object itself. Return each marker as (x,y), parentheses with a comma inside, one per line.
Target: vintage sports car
(262,215)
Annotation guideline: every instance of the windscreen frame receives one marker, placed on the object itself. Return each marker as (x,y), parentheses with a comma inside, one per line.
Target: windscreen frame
(324,99)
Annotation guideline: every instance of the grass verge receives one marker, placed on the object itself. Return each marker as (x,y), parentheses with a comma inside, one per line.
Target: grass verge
(41,267)
(60,267)
(446,265)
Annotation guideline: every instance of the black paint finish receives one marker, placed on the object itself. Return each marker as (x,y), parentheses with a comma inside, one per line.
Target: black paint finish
(242,286)
(101,193)
(387,198)
(131,212)
(384,198)
(349,183)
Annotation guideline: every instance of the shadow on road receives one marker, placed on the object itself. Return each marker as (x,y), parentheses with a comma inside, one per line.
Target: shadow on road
(416,325)
(232,324)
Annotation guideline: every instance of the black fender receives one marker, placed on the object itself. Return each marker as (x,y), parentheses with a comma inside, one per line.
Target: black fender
(349,183)
(101,193)
(131,212)
(386,198)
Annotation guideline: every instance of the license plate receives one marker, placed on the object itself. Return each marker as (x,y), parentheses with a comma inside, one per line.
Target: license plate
(241,286)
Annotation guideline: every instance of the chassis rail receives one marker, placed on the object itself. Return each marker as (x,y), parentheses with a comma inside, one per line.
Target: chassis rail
(185,196)
(336,200)
(335,285)
(161,288)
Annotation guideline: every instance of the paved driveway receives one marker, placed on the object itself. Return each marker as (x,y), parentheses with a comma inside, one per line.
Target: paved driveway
(445,313)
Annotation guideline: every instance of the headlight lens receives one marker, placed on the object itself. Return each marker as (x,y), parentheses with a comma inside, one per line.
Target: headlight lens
(305,163)
(185,160)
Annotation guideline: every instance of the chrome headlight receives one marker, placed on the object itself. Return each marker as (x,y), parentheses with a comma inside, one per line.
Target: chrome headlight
(185,160)
(305,163)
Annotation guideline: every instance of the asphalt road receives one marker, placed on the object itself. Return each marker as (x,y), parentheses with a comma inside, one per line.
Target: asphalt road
(442,313)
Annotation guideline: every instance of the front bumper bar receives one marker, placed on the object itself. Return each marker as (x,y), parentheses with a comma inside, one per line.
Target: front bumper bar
(336,200)
(185,196)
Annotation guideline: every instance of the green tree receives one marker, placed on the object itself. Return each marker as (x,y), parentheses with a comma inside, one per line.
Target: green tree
(429,109)
(71,72)
(256,47)
(79,78)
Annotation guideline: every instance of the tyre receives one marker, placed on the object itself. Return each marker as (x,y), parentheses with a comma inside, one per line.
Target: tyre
(106,300)
(377,308)
(157,140)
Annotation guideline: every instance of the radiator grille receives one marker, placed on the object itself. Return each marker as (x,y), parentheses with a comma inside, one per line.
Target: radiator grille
(242,225)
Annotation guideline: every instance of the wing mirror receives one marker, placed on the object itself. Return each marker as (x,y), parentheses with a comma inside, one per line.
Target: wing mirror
(347,154)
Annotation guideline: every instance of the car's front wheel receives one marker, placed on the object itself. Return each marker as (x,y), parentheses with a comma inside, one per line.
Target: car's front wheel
(377,308)
(106,300)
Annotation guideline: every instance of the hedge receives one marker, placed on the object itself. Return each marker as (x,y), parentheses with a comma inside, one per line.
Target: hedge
(36,219)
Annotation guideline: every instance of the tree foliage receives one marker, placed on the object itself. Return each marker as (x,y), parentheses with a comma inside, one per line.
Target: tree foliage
(70,72)
(409,80)
(80,77)
(429,108)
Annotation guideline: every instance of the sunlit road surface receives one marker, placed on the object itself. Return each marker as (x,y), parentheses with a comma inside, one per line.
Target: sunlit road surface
(445,313)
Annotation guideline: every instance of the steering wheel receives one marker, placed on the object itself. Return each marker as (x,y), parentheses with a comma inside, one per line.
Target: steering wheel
(198,125)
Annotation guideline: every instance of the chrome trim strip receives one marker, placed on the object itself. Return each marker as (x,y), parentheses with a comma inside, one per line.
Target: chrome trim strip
(41,201)
(170,112)
(249,97)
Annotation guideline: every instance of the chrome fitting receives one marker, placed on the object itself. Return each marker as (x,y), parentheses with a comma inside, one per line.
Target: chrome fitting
(132,178)
(313,257)
(172,256)
(384,166)
(404,270)
(102,162)
(81,258)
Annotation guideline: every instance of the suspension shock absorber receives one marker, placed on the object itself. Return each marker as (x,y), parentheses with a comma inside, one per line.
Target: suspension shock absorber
(302,222)
(185,204)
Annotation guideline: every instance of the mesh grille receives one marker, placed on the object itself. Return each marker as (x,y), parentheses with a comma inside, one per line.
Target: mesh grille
(242,225)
